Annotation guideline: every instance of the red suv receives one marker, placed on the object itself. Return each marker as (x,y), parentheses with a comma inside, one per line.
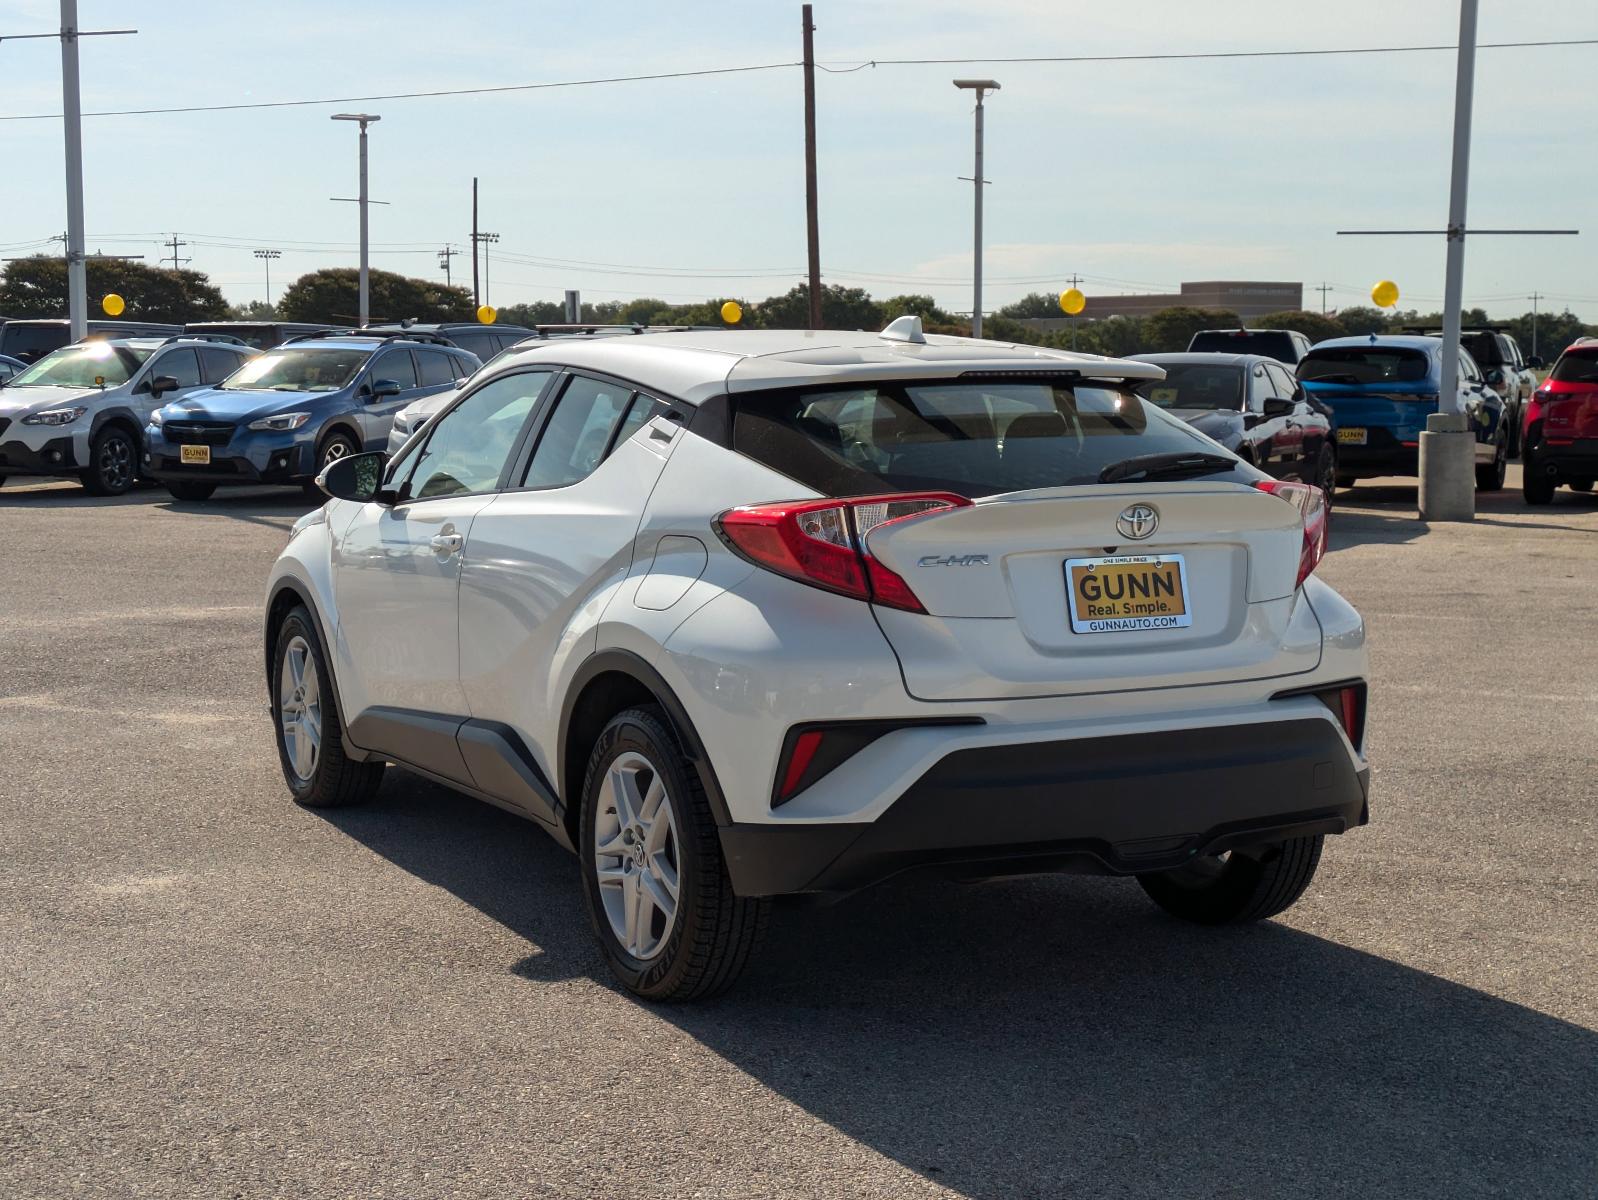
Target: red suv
(1561,441)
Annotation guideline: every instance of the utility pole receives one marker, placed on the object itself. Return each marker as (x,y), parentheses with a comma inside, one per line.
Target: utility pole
(812,218)
(266,257)
(444,255)
(176,246)
(1534,298)
(363,200)
(487,239)
(981,87)
(1323,289)
(476,298)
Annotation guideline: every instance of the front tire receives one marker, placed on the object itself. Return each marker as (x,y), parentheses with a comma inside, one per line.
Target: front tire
(1245,885)
(310,728)
(334,447)
(1490,476)
(113,464)
(190,490)
(661,904)
(1326,474)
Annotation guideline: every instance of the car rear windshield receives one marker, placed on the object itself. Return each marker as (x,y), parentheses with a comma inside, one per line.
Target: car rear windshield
(1484,348)
(1360,365)
(1577,366)
(298,371)
(1195,385)
(1272,344)
(973,439)
(93,364)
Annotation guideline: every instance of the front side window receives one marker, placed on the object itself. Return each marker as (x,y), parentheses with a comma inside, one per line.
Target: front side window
(298,370)
(92,364)
(180,364)
(974,439)
(1195,385)
(468,447)
(1362,365)
(578,433)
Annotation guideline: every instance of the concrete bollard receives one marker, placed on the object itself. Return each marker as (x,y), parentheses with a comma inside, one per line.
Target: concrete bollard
(1447,469)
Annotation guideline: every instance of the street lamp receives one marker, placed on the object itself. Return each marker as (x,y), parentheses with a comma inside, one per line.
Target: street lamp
(365,119)
(266,257)
(980,87)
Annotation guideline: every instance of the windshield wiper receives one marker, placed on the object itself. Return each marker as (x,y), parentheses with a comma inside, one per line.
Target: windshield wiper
(1166,466)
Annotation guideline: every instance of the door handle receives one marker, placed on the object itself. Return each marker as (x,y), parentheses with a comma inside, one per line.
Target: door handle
(445,544)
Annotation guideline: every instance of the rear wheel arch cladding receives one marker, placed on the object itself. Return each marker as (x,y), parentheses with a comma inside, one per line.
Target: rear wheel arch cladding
(610,683)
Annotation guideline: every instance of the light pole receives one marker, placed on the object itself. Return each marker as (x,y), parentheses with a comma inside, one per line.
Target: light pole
(365,119)
(266,257)
(72,110)
(981,87)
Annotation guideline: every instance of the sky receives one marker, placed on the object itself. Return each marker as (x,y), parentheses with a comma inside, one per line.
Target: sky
(1132,175)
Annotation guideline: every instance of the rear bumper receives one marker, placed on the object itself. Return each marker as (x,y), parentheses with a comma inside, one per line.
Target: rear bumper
(1567,460)
(1120,805)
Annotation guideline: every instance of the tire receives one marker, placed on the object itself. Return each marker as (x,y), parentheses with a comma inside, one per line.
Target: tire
(113,463)
(333,447)
(1580,485)
(1514,435)
(1325,476)
(1490,476)
(191,490)
(300,681)
(1346,481)
(1245,885)
(701,946)
(1535,487)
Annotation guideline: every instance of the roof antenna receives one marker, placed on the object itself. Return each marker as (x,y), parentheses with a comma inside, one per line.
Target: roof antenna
(904,329)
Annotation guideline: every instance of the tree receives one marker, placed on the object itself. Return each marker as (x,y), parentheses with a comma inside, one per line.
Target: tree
(254,310)
(1358,320)
(37,287)
(539,312)
(1311,324)
(331,296)
(1033,304)
(918,305)
(1555,331)
(1173,328)
(841,308)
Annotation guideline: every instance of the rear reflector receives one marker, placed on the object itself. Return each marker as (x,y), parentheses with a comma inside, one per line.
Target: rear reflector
(1345,701)
(810,752)
(822,542)
(1311,503)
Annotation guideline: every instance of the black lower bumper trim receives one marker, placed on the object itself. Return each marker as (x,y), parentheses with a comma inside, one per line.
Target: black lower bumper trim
(19,459)
(1122,805)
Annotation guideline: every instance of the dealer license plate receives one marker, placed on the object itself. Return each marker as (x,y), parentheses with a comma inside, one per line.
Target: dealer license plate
(1127,593)
(1351,437)
(197,455)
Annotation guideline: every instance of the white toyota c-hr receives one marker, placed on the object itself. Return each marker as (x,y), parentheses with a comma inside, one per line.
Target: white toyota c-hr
(737,615)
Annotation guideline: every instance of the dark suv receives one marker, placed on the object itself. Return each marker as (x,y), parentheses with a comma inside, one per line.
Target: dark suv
(1507,371)
(485,341)
(1284,345)
(30,340)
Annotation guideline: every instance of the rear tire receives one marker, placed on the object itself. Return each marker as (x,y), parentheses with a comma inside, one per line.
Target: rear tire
(648,841)
(113,464)
(191,491)
(1490,476)
(1245,885)
(1345,481)
(1326,474)
(1535,487)
(310,743)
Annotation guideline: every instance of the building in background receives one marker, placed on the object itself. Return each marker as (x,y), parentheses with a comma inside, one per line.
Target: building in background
(1246,297)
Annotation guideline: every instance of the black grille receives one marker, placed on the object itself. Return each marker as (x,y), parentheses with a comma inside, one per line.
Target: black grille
(221,466)
(198,433)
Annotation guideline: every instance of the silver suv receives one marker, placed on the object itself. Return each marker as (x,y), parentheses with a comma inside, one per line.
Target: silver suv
(80,411)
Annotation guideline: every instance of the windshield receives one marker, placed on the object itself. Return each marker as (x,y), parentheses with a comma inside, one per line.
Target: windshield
(974,439)
(1271,343)
(1195,385)
(1576,366)
(1364,365)
(93,364)
(301,370)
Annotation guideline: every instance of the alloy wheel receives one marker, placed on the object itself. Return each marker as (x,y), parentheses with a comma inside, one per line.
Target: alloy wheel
(299,695)
(636,855)
(336,449)
(115,463)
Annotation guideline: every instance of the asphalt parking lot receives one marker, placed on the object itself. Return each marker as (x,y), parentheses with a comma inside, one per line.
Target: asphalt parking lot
(209,992)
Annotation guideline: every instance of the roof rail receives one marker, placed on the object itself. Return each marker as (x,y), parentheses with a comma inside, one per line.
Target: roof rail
(435,339)
(225,338)
(1436,330)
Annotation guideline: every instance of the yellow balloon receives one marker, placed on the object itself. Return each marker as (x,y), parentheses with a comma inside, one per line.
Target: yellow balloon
(487,314)
(732,312)
(1072,302)
(113,304)
(1385,294)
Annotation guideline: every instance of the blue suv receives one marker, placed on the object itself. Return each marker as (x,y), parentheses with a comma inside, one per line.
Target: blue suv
(285,415)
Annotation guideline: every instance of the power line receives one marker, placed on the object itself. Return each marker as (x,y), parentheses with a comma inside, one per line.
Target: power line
(472,91)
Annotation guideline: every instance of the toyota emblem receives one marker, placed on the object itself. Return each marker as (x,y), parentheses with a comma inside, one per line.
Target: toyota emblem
(1137,521)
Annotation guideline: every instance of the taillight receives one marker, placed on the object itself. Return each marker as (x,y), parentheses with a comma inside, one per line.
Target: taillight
(823,542)
(1311,503)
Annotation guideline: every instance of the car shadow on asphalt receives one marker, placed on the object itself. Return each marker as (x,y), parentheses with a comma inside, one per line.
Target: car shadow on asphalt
(262,506)
(1058,1035)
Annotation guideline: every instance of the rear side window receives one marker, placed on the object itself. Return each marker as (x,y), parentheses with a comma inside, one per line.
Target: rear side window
(1196,385)
(578,433)
(216,365)
(476,341)
(974,439)
(436,368)
(1275,344)
(1577,366)
(1484,348)
(1359,365)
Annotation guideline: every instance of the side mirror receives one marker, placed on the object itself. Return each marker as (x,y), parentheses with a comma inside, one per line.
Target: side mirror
(1277,407)
(460,383)
(357,477)
(385,387)
(163,383)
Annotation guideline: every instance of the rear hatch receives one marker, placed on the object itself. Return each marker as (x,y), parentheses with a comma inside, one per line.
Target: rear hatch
(1372,388)
(1570,397)
(1210,594)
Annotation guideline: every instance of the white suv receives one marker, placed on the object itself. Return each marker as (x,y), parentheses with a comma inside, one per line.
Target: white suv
(743,614)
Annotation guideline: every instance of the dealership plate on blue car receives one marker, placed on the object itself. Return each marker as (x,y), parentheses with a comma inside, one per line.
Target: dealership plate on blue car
(1127,593)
